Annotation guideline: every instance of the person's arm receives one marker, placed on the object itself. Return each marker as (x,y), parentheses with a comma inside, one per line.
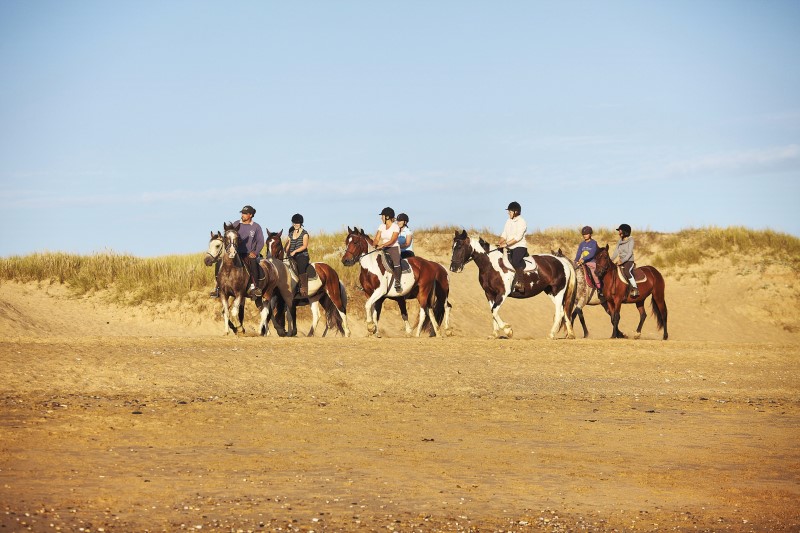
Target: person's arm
(409,238)
(258,243)
(391,241)
(376,242)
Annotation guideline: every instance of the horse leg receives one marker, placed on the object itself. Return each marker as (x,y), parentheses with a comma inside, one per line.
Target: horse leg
(578,312)
(314,317)
(371,314)
(501,329)
(226,314)
(642,317)
(237,300)
(404,315)
(264,312)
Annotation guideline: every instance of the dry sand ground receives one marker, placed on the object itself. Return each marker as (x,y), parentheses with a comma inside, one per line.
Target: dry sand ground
(114,419)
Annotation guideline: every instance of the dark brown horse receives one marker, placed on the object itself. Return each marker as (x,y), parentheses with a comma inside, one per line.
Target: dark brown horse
(616,290)
(428,282)
(543,273)
(325,288)
(234,280)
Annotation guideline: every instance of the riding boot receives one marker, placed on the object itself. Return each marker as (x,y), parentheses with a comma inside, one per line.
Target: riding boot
(634,288)
(304,285)
(254,291)
(397,286)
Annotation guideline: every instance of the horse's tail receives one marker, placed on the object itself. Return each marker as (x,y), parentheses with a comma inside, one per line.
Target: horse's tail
(657,301)
(427,325)
(441,292)
(332,317)
(572,289)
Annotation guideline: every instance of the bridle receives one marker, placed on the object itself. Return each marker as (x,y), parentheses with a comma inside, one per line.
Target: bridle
(231,243)
(215,257)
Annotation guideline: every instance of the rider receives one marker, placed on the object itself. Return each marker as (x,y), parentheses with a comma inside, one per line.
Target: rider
(251,242)
(585,255)
(298,250)
(623,255)
(513,240)
(386,240)
(406,237)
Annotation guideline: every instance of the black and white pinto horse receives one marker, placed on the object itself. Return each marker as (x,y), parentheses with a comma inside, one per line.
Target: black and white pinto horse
(552,275)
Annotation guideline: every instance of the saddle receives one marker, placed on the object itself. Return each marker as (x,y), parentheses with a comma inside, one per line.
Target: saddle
(635,272)
(587,274)
(404,266)
(310,270)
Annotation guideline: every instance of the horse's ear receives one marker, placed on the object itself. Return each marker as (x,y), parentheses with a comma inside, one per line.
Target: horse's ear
(462,235)
(349,231)
(212,234)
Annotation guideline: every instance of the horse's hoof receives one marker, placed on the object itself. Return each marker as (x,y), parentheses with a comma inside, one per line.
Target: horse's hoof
(371,327)
(508,332)
(637,335)
(448,332)
(571,336)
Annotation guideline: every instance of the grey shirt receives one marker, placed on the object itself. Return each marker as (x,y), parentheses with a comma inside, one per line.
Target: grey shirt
(624,250)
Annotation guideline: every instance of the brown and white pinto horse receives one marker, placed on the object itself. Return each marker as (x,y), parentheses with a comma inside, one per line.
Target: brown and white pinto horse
(428,283)
(325,289)
(543,273)
(616,290)
(234,280)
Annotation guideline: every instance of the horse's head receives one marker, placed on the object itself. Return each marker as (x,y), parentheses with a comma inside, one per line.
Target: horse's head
(602,261)
(215,247)
(275,245)
(462,251)
(557,253)
(231,239)
(356,244)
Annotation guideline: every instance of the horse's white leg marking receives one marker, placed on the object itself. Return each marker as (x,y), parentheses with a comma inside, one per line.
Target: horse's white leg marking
(237,301)
(500,327)
(314,317)
(369,307)
(344,323)
(421,320)
(264,326)
(446,320)
(436,330)
(225,315)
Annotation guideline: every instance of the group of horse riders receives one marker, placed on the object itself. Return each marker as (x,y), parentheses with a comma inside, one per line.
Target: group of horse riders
(394,237)
(512,239)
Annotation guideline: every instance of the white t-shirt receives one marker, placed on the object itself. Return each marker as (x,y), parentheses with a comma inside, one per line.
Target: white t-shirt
(386,233)
(514,230)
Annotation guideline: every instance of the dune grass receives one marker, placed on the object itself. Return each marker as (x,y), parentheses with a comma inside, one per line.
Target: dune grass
(131,280)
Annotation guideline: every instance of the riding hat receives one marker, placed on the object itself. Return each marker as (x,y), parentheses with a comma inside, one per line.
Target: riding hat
(586,230)
(626,229)
(387,212)
(248,209)
(403,217)
(514,206)
(297,218)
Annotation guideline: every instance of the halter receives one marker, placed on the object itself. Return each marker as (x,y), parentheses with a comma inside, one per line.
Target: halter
(215,257)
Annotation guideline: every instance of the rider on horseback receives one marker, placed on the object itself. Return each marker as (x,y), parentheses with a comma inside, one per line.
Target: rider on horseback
(298,251)
(386,240)
(513,240)
(251,242)
(406,237)
(585,256)
(623,255)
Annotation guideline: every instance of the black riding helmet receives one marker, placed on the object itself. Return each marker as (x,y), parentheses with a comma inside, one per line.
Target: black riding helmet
(297,218)
(626,230)
(403,217)
(387,212)
(586,230)
(514,206)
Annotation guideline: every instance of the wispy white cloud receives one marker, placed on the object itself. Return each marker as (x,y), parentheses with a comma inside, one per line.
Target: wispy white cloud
(750,161)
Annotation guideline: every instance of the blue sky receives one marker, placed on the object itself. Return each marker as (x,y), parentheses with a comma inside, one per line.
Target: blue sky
(139,127)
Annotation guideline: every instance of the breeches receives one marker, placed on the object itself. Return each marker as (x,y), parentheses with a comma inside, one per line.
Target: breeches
(516,256)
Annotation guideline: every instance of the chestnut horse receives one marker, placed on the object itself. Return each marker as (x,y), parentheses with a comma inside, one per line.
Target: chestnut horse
(234,281)
(616,291)
(428,282)
(543,273)
(325,289)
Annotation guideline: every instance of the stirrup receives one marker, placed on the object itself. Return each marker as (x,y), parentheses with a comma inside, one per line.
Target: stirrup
(634,292)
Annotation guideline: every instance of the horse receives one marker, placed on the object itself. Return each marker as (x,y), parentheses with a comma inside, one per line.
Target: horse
(616,290)
(428,282)
(234,280)
(543,273)
(585,294)
(324,288)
